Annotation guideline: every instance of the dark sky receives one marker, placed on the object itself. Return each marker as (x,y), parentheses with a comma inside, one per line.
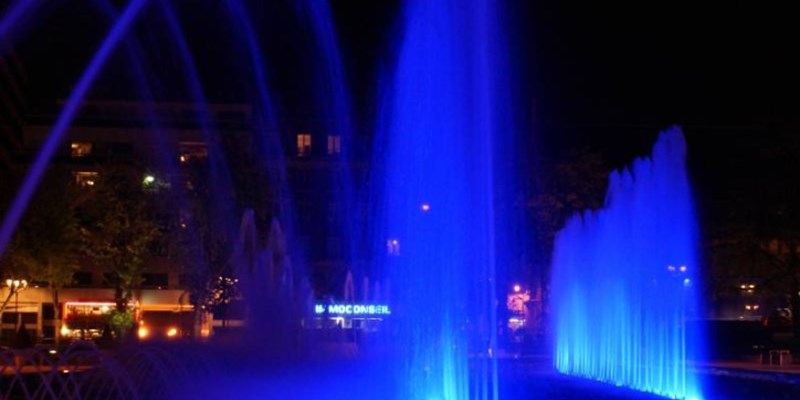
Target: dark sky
(718,62)
(688,62)
(602,74)
(612,72)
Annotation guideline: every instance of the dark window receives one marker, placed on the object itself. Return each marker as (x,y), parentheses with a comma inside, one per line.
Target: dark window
(185,280)
(159,248)
(109,279)
(29,318)
(82,278)
(48,331)
(334,145)
(155,280)
(48,311)
(121,149)
(26,317)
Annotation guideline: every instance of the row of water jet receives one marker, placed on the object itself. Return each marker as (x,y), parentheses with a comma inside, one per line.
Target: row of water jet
(435,151)
(624,280)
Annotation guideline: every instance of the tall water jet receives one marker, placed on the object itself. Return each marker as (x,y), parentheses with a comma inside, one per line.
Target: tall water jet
(439,129)
(624,279)
(267,282)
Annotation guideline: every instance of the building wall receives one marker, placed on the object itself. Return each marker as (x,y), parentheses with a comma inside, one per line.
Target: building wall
(136,135)
(33,301)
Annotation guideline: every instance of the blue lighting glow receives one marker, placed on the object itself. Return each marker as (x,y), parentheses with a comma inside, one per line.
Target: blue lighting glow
(620,304)
(441,122)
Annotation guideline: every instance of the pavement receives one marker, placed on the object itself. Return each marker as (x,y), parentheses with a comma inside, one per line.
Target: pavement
(787,373)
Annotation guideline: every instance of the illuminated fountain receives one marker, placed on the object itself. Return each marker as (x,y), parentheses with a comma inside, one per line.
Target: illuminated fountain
(624,280)
(437,145)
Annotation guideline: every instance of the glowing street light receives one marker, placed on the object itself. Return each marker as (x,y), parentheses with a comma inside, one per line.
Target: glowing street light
(16,286)
(425,207)
(517,288)
(393,247)
(149,179)
(143,332)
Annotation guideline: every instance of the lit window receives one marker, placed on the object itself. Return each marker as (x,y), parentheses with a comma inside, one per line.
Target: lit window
(303,144)
(86,178)
(192,151)
(334,144)
(80,149)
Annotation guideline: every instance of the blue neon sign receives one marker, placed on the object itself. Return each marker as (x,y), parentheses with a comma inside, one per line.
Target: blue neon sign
(352,309)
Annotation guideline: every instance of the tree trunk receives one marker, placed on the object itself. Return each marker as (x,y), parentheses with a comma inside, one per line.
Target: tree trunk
(3,306)
(56,317)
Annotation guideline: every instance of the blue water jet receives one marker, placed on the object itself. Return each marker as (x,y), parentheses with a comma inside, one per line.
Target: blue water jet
(624,280)
(436,148)
(335,101)
(14,14)
(267,138)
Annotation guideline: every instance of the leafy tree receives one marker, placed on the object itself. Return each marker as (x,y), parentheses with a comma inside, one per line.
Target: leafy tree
(753,233)
(48,242)
(562,188)
(208,208)
(122,228)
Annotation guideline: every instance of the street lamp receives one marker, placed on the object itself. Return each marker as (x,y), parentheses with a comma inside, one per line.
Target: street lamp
(16,286)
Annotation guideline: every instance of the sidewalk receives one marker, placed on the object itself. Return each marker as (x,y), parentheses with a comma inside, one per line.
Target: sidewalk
(789,373)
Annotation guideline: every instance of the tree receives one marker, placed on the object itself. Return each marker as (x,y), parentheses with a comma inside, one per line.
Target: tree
(121,227)
(48,242)
(754,224)
(562,188)
(208,209)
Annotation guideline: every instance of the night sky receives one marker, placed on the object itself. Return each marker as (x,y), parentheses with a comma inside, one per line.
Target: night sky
(607,75)
(716,63)
(645,62)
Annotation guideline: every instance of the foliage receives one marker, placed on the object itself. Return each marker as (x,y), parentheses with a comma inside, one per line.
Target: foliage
(563,188)
(121,322)
(48,242)
(122,228)
(208,212)
(753,233)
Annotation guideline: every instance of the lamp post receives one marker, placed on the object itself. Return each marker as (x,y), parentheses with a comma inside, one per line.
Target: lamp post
(16,286)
